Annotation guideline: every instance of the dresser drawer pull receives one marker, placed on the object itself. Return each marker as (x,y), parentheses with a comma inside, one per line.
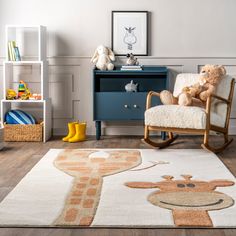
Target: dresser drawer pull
(126,106)
(135,106)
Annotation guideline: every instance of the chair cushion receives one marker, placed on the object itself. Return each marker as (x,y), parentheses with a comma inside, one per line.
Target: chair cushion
(176,116)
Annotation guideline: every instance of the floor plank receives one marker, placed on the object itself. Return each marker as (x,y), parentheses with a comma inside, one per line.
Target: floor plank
(18,158)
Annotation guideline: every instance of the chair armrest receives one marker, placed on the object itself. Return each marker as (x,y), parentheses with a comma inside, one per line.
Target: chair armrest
(149,98)
(209,100)
(220,98)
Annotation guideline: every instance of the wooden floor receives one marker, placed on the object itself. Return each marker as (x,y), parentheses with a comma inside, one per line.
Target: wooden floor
(18,158)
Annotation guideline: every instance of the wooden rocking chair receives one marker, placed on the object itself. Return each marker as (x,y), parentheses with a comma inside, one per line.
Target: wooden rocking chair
(191,120)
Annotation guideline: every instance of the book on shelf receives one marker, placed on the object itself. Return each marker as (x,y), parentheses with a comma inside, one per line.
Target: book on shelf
(13,51)
(17,54)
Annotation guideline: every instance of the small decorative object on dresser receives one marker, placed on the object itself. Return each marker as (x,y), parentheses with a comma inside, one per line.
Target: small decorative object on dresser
(131,87)
(103,56)
(132,68)
(131,61)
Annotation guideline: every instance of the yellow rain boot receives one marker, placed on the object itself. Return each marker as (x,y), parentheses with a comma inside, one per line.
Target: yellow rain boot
(71,131)
(80,134)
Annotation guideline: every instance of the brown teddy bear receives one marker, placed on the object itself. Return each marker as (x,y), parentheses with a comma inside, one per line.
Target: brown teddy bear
(197,94)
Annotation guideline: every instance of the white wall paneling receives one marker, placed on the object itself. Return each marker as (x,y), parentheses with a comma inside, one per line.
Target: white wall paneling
(64,91)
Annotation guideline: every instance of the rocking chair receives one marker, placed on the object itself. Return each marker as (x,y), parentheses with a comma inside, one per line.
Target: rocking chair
(191,120)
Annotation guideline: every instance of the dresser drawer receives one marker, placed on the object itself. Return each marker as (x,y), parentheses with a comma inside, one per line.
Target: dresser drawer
(120,105)
(112,106)
(138,105)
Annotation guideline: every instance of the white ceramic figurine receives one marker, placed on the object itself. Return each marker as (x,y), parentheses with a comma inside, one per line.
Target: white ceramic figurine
(131,87)
(103,57)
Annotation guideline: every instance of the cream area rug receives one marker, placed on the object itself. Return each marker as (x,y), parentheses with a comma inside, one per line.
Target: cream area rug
(123,188)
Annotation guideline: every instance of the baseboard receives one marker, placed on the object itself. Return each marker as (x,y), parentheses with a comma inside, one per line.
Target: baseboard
(124,130)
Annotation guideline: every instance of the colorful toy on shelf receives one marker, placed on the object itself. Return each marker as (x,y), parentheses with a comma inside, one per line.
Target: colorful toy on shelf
(11,94)
(35,96)
(23,91)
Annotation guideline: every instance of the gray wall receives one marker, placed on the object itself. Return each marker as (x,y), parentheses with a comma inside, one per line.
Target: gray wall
(184,35)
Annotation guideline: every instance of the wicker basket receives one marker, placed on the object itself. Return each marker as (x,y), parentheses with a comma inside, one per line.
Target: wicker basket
(23,133)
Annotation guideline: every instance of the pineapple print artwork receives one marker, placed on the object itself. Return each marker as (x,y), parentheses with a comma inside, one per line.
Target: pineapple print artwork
(88,172)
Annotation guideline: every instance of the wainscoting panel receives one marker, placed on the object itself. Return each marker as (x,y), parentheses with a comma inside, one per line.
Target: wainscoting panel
(70,86)
(64,92)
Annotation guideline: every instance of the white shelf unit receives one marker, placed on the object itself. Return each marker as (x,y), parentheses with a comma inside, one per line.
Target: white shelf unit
(31,41)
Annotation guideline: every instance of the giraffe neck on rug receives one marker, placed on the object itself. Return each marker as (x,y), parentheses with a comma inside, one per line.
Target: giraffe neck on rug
(82,201)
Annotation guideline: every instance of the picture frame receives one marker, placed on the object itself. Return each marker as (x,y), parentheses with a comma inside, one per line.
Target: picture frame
(129,33)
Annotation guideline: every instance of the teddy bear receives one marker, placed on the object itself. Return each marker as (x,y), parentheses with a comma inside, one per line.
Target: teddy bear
(103,57)
(197,94)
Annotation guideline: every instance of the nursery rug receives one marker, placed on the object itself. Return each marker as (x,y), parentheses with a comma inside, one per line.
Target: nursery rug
(123,188)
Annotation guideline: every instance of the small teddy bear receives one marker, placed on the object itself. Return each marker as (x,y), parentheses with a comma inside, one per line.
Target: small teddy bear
(197,94)
(103,57)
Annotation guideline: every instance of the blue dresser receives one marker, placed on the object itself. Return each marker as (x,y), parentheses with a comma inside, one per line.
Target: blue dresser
(113,103)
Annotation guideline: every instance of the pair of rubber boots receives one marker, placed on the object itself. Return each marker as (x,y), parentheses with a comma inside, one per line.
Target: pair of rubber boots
(76,132)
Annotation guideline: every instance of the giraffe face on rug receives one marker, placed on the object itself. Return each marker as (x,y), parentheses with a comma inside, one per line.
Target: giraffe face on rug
(188,199)
(88,167)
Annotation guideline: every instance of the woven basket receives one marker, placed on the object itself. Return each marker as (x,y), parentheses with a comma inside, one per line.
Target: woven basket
(23,133)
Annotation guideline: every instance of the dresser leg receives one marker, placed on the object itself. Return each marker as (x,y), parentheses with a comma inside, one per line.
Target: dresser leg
(98,130)
(163,135)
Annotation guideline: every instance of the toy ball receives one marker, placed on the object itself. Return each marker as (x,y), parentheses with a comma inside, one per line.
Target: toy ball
(19,117)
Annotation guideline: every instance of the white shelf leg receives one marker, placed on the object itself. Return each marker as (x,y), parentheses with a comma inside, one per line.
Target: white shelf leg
(47,115)
(5,107)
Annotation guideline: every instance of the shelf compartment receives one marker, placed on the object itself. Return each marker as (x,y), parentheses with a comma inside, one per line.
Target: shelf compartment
(30,39)
(40,109)
(144,84)
(34,74)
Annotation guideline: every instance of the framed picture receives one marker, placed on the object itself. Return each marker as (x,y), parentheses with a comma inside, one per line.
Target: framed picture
(130,32)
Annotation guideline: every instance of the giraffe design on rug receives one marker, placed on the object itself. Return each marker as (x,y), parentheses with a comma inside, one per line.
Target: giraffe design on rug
(189,200)
(88,172)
